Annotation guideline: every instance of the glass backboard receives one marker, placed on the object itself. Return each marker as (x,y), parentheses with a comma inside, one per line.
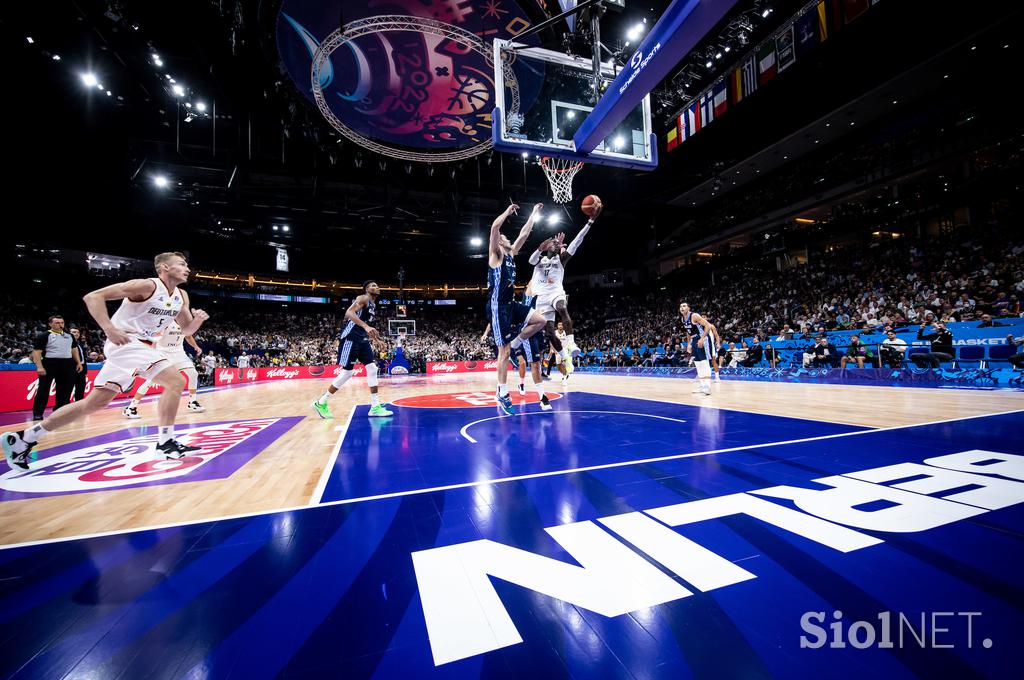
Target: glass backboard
(543,98)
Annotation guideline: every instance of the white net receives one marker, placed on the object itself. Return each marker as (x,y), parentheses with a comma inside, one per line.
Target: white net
(560,173)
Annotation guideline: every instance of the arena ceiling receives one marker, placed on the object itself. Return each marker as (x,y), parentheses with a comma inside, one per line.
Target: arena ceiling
(261,154)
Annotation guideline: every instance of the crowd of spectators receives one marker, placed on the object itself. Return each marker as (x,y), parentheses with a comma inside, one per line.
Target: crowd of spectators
(972,274)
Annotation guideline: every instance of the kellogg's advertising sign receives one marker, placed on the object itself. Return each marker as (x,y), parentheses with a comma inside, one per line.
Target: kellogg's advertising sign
(462,366)
(231,376)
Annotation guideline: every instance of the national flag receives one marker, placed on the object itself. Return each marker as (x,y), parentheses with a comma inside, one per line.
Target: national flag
(693,118)
(720,99)
(854,8)
(749,77)
(823,13)
(736,86)
(681,122)
(673,138)
(707,109)
(766,66)
(806,36)
(785,48)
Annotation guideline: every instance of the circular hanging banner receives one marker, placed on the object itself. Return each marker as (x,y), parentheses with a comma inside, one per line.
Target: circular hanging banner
(409,79)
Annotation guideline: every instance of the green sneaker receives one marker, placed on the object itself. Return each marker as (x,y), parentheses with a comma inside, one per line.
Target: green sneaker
(322,410)
(379,412)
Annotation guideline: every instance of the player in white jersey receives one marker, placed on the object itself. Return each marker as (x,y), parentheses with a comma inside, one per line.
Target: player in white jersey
(171,345)
(548,272)
(147,308)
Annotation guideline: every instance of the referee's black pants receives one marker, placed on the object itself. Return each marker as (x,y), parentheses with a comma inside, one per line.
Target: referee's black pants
(80,378)
(60,371)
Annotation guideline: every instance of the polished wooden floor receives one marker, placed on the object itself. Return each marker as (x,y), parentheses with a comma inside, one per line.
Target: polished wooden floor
(287,473)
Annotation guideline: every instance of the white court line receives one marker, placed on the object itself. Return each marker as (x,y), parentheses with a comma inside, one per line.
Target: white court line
(321,486)
(500,480)
(541,413)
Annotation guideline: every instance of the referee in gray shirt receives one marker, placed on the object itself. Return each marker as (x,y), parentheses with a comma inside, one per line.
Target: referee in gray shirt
(56,360)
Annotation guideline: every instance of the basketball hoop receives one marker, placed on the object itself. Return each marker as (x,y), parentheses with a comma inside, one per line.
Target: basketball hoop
(560,172)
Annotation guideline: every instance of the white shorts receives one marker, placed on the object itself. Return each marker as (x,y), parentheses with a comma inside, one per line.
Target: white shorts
(546,303)
(178,358)
(124,362)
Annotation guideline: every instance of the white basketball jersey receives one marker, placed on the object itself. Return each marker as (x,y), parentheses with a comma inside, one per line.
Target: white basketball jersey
(149,319)
(172,338)
(547,276)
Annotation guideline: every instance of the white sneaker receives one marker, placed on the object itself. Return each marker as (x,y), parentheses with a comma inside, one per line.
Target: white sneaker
(522,389)
(194,406)
(697,390)
(545,403)
(131,412)
(706,391)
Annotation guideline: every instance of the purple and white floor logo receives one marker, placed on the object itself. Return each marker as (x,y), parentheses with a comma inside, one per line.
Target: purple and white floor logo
(126,459)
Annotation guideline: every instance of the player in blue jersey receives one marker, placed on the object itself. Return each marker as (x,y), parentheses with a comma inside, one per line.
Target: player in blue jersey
(512,322)
(354,345)
(699,335)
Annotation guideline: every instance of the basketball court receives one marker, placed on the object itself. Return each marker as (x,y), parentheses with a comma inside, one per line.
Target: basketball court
(636,530)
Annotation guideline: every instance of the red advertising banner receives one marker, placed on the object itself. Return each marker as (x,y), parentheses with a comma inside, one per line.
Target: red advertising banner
(18,389)
(462,366)
(232,376)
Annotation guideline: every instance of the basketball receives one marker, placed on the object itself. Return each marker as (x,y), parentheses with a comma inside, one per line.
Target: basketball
(588,205)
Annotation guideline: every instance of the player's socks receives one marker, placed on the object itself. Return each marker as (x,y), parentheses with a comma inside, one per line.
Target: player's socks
(375,399)
(538,387)
(33,433)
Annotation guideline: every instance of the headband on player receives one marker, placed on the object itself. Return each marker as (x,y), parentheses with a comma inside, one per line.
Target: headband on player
(367,282)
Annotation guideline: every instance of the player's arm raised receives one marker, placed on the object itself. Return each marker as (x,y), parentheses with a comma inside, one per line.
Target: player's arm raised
(524,233)
(352,314)
(135,290)
(494,250)
(576,242)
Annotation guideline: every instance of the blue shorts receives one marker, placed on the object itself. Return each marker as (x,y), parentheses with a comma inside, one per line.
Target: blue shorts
(529,350)
(351,350)
(507,320)
(703,348)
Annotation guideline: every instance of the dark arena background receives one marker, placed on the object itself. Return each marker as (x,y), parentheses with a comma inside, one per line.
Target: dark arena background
(277,400)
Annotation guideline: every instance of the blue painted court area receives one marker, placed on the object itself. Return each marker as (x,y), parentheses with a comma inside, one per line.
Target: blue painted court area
(700,566)
(432,447)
